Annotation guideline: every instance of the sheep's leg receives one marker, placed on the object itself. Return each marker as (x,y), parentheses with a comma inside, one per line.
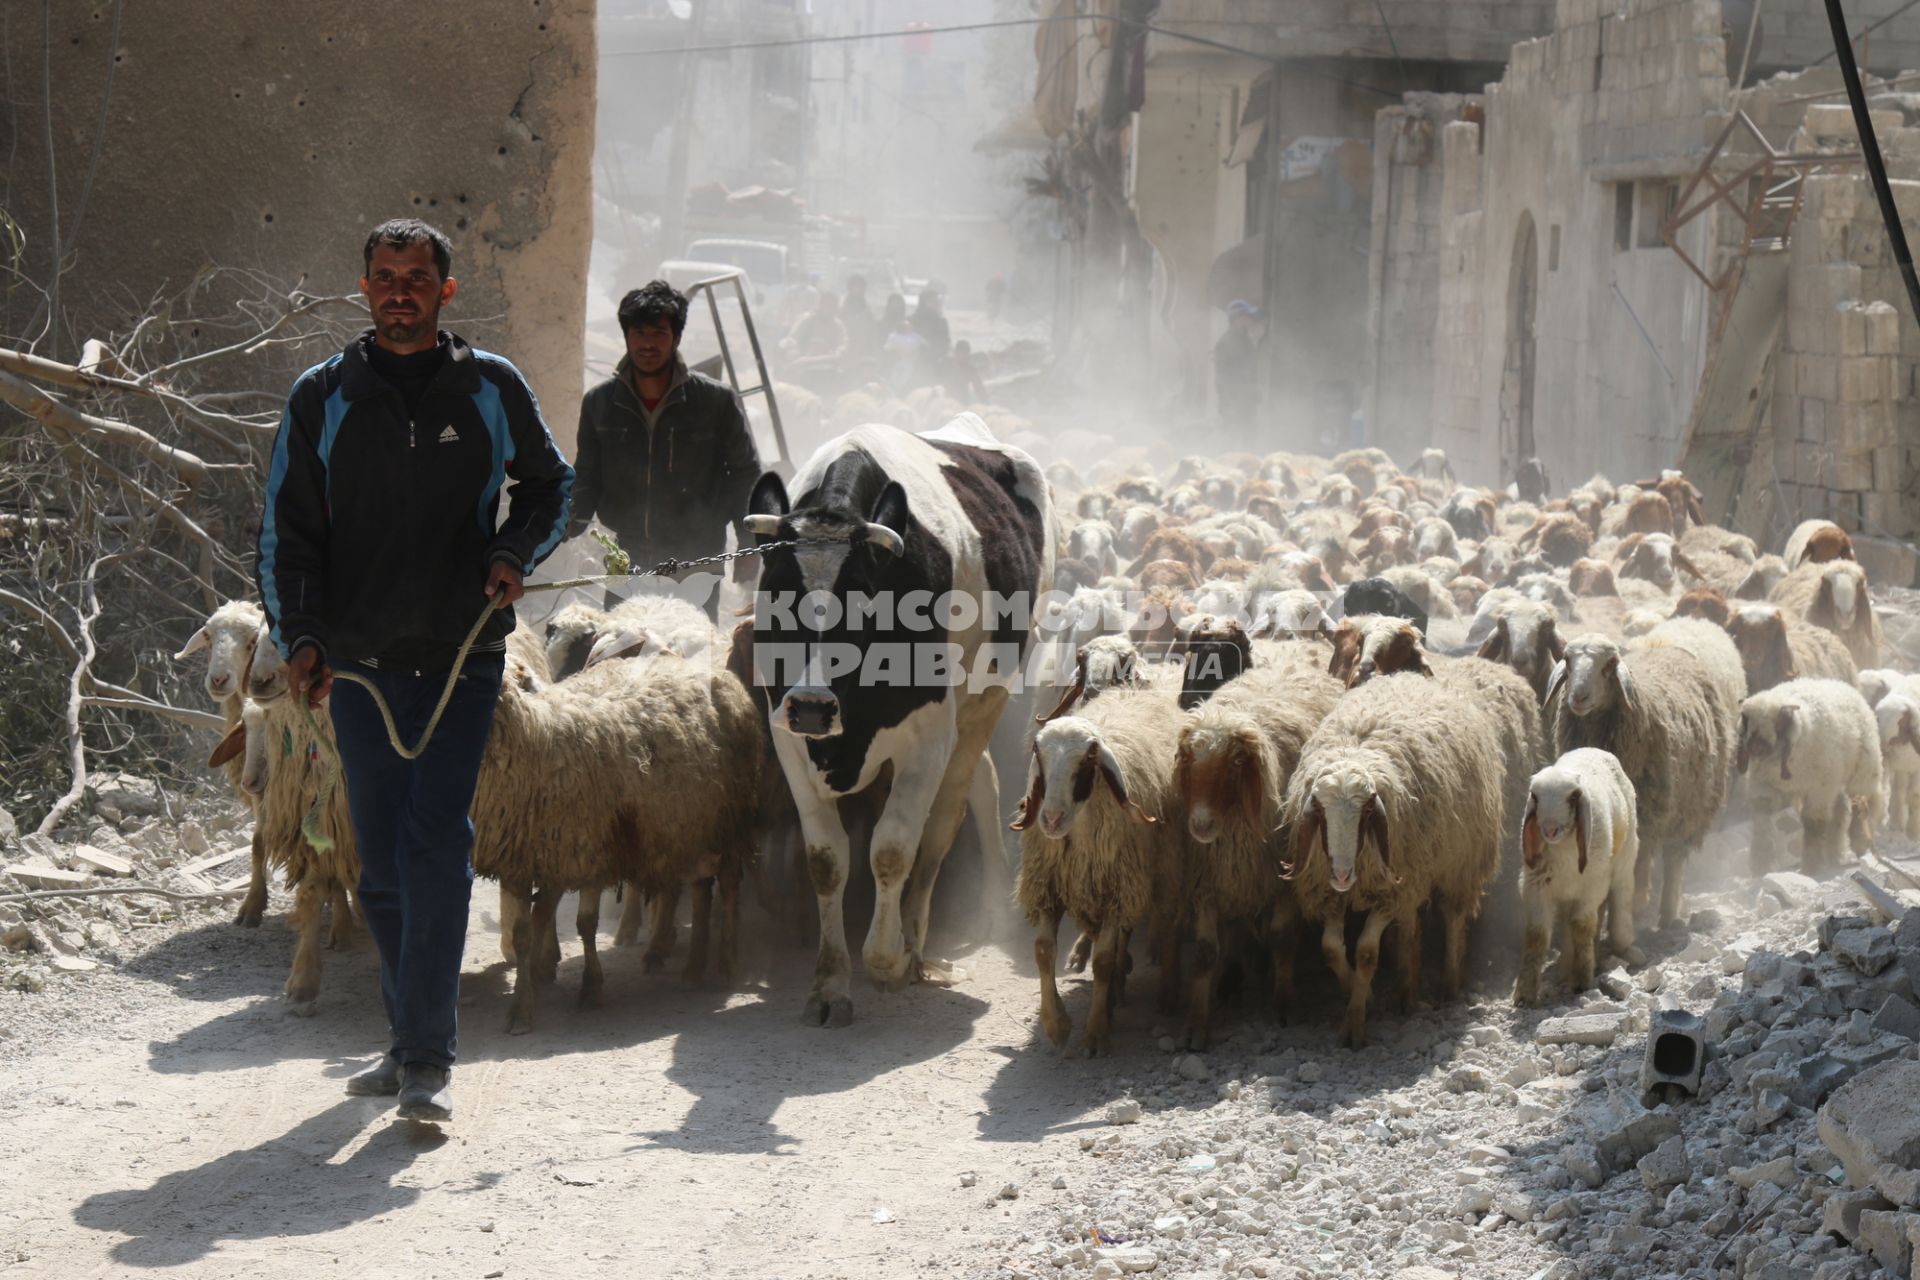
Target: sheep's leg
(303,983)
(1106,969)
(340,926)
(829,1003)
(1163,940)
(1206,962)
(633,914)
(547,953)
(586,922)
(695,971)
(663,914)
(1053,1011)
(1333,946)
(1814,838)
(729,886)
(1366,963)
(1539,917)
(526,987)
(254,905)
(1673,876)
(513,910)
(1764,841)
(1281,943)
(1643,877)
(1576,960)
(1409,939)
(1082,950)
(1897,803)
(1455,917)
(1858,822)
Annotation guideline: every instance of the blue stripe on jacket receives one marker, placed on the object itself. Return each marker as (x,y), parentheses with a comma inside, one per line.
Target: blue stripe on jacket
(494,414)
(276,477)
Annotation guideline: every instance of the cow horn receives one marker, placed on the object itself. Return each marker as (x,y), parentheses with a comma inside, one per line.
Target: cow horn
(761,526)
(886,539)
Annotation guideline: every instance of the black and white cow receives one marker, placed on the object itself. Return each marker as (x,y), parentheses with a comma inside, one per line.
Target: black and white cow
(908,528)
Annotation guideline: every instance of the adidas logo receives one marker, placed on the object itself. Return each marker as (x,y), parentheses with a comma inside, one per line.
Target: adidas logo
(449,436)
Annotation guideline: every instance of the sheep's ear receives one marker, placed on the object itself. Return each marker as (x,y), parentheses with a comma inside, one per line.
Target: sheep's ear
(1036,793)
(1554,681)
(1628,694)
(1783,734)
(1074,690)
(1628,545)
(1253,790)
(1680,560)
(1909,731)
(199,640)
(1556,647)
(1374,824)
(1109,766)
(1531,841)
(229,746)
(1577,799)
(1311,825)
(1495,647)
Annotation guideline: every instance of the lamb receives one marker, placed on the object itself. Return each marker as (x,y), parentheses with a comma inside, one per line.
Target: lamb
(1581,843)
(1410,763)
(1378,596)
(1833,594)
(644,777)
(1817,542)
(1775,648)
(228,637)
(1472,513)
(1664,715)
(1102,831)
(1235,758)
(1652,557)
(675,624)
(1898,714)
(1877,682)
(1826,741)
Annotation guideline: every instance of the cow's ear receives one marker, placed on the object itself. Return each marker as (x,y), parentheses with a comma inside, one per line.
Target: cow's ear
(890,515)
(769,499)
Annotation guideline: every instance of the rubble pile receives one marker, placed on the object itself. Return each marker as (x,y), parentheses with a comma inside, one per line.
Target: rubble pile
(1545,1144)
(128,832)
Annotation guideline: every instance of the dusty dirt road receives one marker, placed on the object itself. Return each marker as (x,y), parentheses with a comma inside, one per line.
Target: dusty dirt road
(176,1120)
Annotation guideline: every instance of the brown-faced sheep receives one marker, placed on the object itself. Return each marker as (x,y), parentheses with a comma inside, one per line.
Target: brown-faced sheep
(1172,544)
(1236,755)
(1592,578)
(1652,557)
(1702,538)
(1643,513)
(1775,648)
(1561,537)
(1467,592)
(1412,768)
(1663,714)
(1833,595)
(1102,836)
(1705,604)
(1817,542)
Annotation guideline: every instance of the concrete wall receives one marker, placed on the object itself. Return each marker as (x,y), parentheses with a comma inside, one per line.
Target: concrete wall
(1795,32)
(1439,30)
(270,138)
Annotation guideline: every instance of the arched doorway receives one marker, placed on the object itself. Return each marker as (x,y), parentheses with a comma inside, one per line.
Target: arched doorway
(1516,382)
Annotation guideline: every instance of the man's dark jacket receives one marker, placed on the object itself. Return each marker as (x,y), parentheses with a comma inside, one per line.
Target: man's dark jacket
(379,529)
(670,489)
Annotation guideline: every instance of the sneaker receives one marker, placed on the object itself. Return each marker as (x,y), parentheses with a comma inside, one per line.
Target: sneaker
(382,1080)
(426,1092)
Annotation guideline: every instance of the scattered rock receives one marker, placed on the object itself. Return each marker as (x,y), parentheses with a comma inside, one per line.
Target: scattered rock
(1898,1017)
(111,864)
(1883,1233)
(1191,1066)
(1582,1028)
(1008,1192)
(1776,1172)
(1625,1145)
(1840,1215)
(1866,951)
(1130,1259)
(1666,1165)
(1126,1111)
(1872,1126)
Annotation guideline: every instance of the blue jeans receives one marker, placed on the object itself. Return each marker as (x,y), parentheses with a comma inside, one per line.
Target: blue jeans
(410,821)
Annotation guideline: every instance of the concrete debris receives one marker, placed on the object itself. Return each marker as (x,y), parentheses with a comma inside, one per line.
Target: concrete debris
(1582,1028)
(44,875)
(1872,1125)
(101,861)
(1884,1234)
(1666,1165)
(1624,1146)
(1126,1111)
(1867,950)
(1897,1016)
(1840,1214)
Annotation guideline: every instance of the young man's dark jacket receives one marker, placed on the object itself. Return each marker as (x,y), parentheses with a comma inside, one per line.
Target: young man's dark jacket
(379,527)
(671,488)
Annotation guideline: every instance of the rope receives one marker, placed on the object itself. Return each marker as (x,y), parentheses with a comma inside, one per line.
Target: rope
(136,889)
(310,826)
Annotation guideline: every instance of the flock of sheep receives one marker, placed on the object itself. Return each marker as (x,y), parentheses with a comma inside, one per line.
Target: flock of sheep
(1308,692)
(1436,685)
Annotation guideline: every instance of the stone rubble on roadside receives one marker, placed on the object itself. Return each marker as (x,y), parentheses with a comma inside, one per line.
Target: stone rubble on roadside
(1481,1141)
(128,833)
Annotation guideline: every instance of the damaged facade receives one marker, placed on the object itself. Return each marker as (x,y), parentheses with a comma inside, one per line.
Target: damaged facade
(1526,299)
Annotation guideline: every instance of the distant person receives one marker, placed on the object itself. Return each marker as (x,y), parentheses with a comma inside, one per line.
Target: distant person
(819,337)
(931,324)
(962,380)
(380,544)
(1236,365)
(891,315)
(864,334)
(996,296)
(904,352)
(666,458)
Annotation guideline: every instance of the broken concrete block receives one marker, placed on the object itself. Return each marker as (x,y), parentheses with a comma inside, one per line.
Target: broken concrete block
(1666,1166)
(1883,1233)
(1778,1172)
(1898,1017)
(1582,1028)
(1872,1126)
(1831,926)
(1865,951)
(100,860)
(1624,1146)
(1906,944)
(41,875)
(1840,1215)
(1676,1051)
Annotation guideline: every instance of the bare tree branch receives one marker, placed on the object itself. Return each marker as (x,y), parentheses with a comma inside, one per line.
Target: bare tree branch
(54,416)
(184,715)
(76,698)
(303,304)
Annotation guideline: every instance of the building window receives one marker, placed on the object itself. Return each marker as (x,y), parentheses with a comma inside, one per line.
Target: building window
(1622,216)
(1657,202)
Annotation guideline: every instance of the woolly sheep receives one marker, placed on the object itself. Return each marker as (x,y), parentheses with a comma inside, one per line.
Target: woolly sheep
(227,638)
(1664,715)
(1877,682)
(1093,541)
(1525,637)
(1821,743)
(1834,595)
(1581,844)
(677,624)
(1775,648)
(1102,835)
(1766,574)
(1710,644)
(645,777)
(1817,542)
(1414,769)
(1702,538)
(1434,537)
(1235,757)
(1898,714)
